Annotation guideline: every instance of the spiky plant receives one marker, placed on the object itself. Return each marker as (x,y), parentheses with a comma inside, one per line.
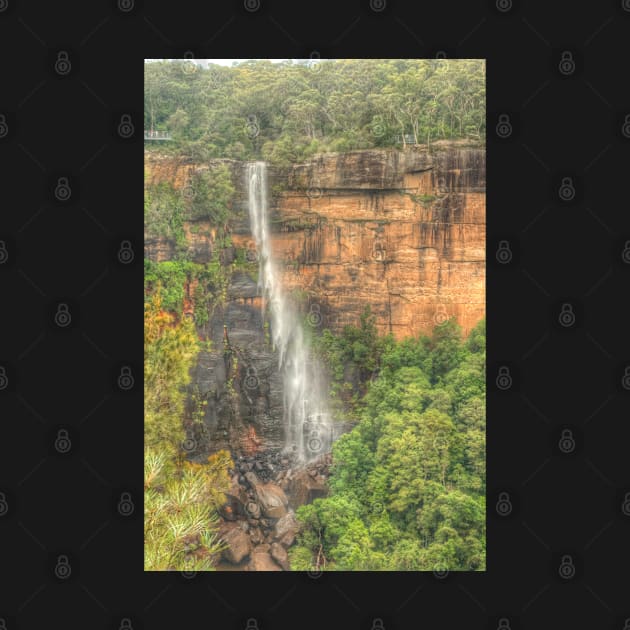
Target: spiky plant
(180,498)
(180,517)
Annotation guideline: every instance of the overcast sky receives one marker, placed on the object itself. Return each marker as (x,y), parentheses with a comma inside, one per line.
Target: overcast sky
(225,62)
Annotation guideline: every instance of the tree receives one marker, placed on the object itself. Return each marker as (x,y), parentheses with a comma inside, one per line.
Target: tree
(178,123)
(284,112)
(180,498)
(407,482)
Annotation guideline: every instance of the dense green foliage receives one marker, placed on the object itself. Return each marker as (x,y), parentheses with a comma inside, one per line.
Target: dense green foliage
(285,112)
(204,286)
(174,279)
(351,357)
(407,490)
(207,195)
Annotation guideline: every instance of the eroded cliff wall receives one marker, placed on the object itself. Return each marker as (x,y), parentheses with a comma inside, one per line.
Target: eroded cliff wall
(403,231)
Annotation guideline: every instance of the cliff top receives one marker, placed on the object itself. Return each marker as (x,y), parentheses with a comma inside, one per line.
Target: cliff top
(434,147)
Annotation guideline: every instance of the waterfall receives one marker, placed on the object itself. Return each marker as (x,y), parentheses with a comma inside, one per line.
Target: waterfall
(307,423)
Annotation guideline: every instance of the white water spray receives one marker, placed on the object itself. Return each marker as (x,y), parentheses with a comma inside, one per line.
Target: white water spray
(307,424)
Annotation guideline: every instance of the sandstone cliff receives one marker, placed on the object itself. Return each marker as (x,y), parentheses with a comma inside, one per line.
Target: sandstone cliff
(401,231)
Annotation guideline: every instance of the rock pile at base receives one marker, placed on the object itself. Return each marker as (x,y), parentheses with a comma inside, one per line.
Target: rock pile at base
(258,518)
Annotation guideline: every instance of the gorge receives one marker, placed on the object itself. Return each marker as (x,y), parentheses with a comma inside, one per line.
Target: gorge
(304,249)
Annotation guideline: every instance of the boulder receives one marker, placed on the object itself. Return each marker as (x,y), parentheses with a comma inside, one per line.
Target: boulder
(238,545)
(304,489)
(236,499)
(287,525)
(253,509)
(262,561)
(288,539)
(272,500)
(256,535)
(280,555)
(252,479)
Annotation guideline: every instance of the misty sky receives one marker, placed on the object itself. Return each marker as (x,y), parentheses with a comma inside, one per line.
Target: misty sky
(225,62)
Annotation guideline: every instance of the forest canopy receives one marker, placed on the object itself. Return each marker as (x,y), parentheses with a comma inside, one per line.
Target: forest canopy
(407,490)
(284,112)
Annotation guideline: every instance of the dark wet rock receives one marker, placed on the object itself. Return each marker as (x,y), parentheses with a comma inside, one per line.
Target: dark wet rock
(252,479)
(242,286)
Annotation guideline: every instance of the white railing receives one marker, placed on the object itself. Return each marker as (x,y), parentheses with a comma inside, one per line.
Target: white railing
(156,135)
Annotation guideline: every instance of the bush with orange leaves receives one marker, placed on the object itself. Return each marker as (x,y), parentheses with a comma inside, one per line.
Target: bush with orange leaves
(180,498)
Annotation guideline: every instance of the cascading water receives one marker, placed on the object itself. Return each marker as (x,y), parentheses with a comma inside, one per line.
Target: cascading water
(307,423)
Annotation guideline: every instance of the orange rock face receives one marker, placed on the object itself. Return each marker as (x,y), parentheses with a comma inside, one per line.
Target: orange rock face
(401,231)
